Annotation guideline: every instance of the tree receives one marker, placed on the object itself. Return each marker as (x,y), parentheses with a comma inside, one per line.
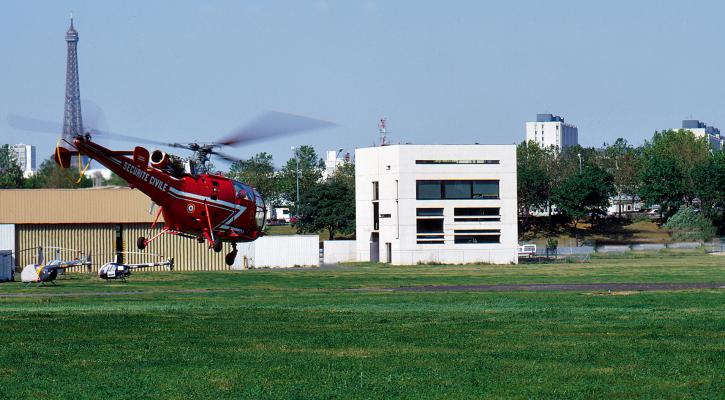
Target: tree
(328,206)
(623,161)
(682,149)
(346,173)
(533,178)
(662,183)
(11,176)
(114,180)
(50,175)
(258,172)
(581,195)
(710,186)
(688,224)
(310,170)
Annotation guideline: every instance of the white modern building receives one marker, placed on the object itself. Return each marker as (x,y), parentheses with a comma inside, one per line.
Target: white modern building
(551,130)
(436,203)
(700,129)
(332,161)
(25,154)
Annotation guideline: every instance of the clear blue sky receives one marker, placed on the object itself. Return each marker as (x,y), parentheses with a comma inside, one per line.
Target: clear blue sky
(442,72)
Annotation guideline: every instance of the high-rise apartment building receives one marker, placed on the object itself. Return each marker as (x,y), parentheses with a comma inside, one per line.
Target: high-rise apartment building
(551,130)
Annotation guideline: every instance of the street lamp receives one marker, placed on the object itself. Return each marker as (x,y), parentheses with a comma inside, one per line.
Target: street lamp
(580,162)
(297,178)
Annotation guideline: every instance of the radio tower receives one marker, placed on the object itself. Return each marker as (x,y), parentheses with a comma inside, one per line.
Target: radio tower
(72,121)
(383,131)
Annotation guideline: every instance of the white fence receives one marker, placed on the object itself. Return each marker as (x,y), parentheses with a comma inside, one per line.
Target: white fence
(279,252)
(337,251)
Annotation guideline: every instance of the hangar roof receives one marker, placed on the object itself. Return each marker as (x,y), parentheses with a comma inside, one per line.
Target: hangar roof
(108,204)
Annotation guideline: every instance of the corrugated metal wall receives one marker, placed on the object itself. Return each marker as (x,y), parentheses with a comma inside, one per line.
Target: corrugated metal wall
(98,240)
(189,255)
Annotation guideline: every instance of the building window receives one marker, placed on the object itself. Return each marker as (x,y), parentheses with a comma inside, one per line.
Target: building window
(428,190)
(429,212)
(457,190)
(376,191)
(430,231)
(376,216)
(477,214)
(428,225)
(485,189)
(477,236)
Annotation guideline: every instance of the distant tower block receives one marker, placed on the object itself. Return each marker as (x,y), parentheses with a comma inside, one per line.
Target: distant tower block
(72,120)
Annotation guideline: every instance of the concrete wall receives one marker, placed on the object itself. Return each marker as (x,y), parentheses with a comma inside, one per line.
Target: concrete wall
(279,252)
(396,171)
(337,251)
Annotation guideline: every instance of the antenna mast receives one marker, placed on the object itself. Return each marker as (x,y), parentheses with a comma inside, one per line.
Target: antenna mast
(382,128)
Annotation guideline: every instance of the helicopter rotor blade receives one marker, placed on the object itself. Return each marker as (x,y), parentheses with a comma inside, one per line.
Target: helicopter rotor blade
(273,124)
(226,157)
(43,126)
(34,124)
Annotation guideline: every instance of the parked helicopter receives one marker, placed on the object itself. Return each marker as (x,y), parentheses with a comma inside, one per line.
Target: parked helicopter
(117,270)
(194,202)
(42,273)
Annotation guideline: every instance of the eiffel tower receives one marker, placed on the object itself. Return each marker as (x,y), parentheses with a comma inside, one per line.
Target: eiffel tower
(72,120)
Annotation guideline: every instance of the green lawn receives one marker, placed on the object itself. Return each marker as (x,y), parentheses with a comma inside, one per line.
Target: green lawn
(304,334)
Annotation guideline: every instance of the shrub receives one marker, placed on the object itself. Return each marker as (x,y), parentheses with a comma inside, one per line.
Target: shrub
(688,224)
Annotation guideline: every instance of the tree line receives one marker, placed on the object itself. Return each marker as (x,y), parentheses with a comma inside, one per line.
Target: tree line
(675,170)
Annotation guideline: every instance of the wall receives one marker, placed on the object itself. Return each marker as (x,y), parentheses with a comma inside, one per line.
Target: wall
(338,251)
(98,240)
(279,252)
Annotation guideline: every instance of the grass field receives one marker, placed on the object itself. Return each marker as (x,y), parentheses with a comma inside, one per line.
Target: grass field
(305,334)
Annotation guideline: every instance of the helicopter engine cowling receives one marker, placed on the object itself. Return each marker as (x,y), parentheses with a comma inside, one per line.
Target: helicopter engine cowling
(159,159)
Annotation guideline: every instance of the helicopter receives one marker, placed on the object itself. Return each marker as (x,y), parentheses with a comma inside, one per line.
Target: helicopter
(42,272)
(120,271)
(194,201)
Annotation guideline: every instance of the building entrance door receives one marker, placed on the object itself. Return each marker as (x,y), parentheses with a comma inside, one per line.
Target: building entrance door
(374,247)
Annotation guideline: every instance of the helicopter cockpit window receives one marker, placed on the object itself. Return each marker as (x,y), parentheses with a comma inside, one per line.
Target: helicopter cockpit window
(260,214)
(242,192)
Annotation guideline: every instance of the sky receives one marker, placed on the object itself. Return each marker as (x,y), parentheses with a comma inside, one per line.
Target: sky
(441,72)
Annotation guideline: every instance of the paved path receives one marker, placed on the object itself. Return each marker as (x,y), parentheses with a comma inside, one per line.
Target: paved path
(561,287)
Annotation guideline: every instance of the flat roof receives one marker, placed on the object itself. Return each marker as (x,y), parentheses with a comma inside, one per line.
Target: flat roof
(108,204)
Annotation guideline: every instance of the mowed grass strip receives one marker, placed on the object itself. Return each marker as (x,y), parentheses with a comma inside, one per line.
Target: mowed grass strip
(301,334)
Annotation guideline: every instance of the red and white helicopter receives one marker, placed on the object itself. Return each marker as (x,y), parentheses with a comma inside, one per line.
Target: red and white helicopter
(195,202)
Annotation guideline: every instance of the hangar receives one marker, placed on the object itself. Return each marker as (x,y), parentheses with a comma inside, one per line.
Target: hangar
(97,221)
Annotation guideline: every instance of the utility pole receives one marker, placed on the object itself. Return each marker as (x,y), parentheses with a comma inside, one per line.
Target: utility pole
(580,162)
(297,178)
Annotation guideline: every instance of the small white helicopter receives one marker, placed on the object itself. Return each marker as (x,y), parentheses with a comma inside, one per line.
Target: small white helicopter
(120,271)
